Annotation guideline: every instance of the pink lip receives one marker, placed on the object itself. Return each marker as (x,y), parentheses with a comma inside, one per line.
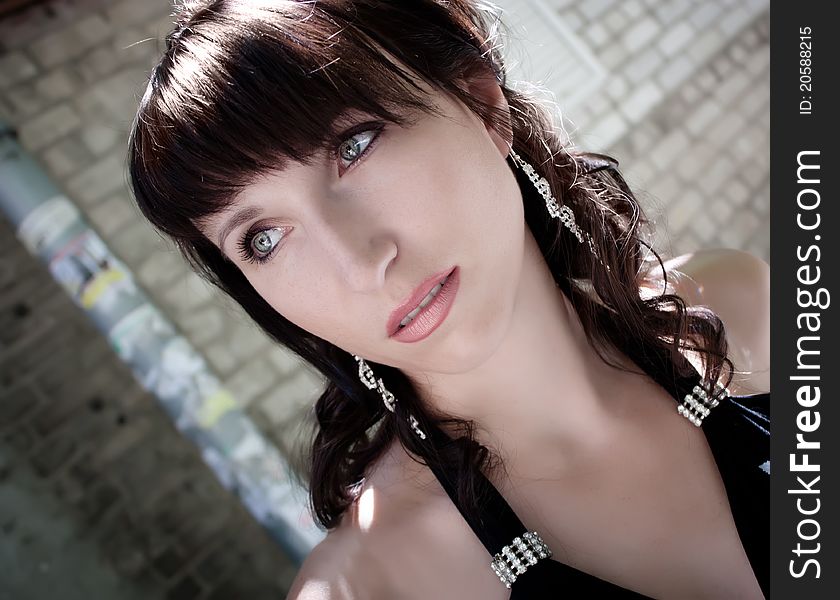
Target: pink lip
(431,315)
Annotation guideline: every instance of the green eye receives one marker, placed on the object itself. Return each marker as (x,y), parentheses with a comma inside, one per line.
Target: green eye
(354,147)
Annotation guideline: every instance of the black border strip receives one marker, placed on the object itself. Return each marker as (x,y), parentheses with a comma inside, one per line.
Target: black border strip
(804,102)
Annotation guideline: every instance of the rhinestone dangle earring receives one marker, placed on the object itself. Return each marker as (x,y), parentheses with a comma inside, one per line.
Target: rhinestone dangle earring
(564,213)
(370,381)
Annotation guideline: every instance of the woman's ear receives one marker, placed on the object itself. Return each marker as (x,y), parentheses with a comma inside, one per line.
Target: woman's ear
(487,89)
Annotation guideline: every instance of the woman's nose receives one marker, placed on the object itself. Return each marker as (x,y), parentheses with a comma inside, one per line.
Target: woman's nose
(360,254)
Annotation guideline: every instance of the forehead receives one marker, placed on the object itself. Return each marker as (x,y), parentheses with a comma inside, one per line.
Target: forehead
(239,208)
(280,165)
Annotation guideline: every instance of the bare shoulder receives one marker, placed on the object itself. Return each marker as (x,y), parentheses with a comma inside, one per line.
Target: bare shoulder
(331,571)
(347,563)
(403,538)
(736,286)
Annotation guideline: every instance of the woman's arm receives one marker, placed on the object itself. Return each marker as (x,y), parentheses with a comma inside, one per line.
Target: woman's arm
(736,286)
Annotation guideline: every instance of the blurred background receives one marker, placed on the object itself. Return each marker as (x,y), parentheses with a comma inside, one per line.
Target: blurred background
(109,488)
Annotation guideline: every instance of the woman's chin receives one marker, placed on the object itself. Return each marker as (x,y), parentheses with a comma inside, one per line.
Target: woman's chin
(470,342)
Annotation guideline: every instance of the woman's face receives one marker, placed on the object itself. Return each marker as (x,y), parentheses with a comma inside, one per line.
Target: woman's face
(347,239)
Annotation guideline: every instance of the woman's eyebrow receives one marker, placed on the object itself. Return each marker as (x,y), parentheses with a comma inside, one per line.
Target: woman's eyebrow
(239,217)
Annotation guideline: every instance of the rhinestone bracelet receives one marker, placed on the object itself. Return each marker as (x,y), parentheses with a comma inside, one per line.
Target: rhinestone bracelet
(515,558)
(697,404)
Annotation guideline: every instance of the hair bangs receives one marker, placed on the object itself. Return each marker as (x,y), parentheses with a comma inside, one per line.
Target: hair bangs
(242,92)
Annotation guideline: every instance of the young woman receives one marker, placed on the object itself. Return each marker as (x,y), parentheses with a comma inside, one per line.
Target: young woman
(523,400)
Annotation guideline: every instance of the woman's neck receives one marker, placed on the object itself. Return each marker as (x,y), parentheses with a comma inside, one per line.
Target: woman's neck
(544,387)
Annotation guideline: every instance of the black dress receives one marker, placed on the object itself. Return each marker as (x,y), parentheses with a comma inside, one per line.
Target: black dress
(738,433)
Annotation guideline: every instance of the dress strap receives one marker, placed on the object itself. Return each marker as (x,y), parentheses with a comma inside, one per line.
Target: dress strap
(495,525)
(515,549)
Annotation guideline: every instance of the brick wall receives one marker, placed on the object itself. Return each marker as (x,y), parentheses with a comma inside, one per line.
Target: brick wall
(684,106)
(100,495)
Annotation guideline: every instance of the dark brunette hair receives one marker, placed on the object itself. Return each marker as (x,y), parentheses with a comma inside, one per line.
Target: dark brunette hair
(244,87)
